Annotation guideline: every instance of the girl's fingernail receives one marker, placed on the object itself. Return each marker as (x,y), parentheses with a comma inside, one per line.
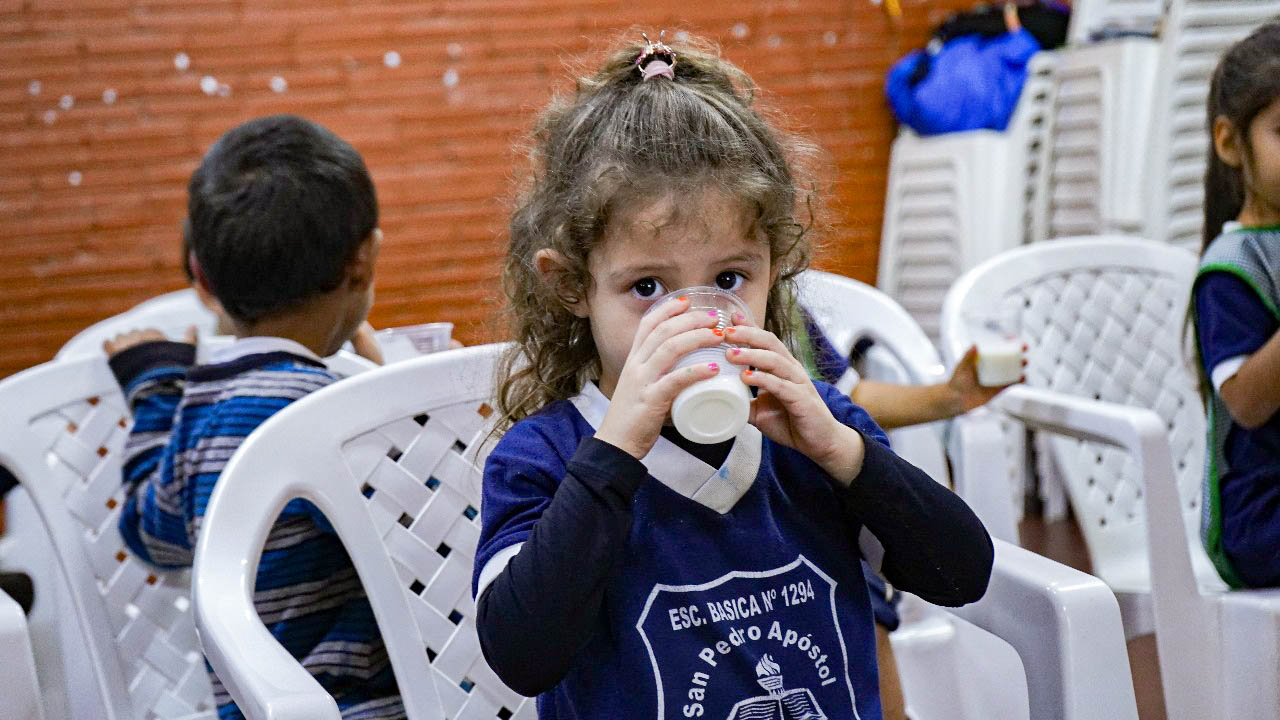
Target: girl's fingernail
(735,352)
(747,372)
(682,298)
(713,366)
(730,330)
(718,332)
(713,313)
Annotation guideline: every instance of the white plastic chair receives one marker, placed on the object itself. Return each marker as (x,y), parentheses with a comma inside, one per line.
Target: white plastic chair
(848,311)
(18,684)
(62,434)
(392,458)
(1195,35)
(1045,642)
(1104,319)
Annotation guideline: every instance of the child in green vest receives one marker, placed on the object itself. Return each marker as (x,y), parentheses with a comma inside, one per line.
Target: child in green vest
(1234,308)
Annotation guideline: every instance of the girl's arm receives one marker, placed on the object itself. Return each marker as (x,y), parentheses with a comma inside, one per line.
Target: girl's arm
(895,406)
(1252,395)
(1238,337)
(934,545)
(543,607)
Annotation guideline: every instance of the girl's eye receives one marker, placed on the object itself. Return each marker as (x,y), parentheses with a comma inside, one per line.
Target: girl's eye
(729,280)
(647,288)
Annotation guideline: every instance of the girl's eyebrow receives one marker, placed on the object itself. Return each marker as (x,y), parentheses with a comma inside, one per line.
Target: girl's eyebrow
(638,270)
(645,269)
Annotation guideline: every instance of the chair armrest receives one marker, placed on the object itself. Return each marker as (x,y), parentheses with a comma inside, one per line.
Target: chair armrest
(1144,436)
(1066,627)
(979,472)
(266,682)
(18,684)
(1187,625)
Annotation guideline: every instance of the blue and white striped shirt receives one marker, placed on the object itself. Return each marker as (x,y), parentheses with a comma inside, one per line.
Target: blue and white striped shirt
(188,421)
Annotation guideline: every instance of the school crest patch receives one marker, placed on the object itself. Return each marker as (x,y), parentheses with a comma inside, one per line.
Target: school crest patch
(749,646)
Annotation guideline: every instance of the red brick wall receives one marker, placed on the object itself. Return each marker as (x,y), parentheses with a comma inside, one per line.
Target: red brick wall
(100,128)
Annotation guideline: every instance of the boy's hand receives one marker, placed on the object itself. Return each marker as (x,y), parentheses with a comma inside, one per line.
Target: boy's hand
(133,338)
(646,388)
(966,391)
(788,408)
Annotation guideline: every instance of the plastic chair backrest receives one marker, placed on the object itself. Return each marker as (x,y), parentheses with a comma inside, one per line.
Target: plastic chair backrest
(62,435)
(848,311)
(1195,35)
(1104,318)
(171,313)
(393,458)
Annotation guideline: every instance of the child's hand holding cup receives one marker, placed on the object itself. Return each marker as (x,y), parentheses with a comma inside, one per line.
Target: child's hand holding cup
(715,409)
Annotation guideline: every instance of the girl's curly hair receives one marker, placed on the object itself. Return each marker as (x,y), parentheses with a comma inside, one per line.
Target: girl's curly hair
(617,138)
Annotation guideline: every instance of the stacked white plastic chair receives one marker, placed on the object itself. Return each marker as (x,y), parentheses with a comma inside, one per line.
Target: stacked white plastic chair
(1091,16)
(1195,36)
(954,200)
(1110,376)
(392,458)
(1102,112)
(63,433)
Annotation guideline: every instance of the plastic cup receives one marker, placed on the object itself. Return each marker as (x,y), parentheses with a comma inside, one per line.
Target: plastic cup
(411,341)
(999,353)
(717,408)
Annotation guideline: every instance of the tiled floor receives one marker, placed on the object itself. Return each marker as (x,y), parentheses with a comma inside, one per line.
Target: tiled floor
(1061,541)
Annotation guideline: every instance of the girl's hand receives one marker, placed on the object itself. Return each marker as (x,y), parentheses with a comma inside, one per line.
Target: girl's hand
(788,408)
(641,400)
(967,392)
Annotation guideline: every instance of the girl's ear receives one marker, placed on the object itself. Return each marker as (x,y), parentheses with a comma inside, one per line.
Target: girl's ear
(553,267)
(1227,142)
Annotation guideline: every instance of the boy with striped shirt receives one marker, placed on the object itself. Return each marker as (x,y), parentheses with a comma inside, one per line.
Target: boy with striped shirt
(282,231)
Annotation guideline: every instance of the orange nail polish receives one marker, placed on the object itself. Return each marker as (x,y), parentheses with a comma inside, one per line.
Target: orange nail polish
(748,372)
(729,330)
(718,332)
(682,298)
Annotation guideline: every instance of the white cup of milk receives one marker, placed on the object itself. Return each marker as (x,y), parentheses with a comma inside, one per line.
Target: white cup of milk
(999,354)
(717,408)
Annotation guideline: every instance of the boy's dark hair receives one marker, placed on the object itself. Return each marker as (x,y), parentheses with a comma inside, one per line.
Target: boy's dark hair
(1245,82)
(275,213)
